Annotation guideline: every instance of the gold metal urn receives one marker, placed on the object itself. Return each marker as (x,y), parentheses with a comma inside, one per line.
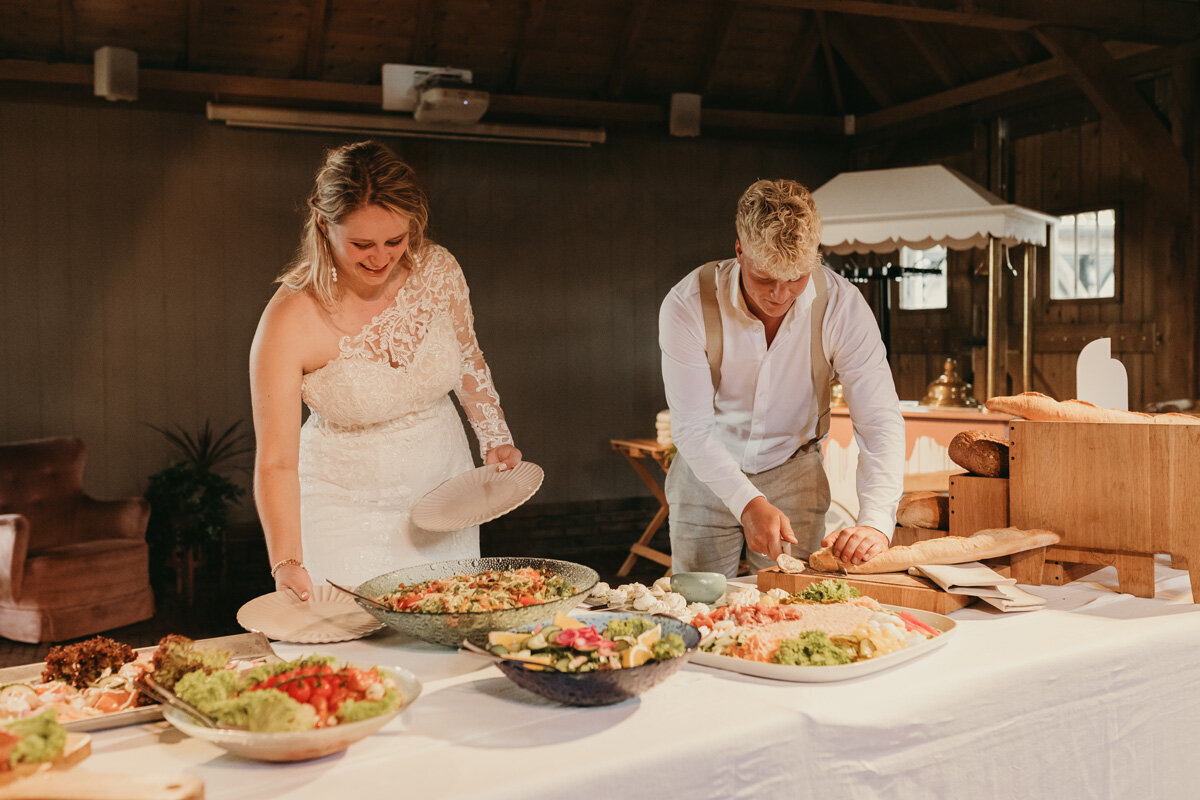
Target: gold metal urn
(949,390)
(837,398)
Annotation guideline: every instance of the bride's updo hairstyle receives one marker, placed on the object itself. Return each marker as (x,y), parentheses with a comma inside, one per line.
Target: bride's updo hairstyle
(353,176)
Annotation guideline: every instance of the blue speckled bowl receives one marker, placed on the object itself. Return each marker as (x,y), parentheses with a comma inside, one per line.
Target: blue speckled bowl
(603,687)
(451,629)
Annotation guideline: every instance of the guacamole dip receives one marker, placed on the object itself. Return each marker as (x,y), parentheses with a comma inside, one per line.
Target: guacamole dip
(830,590)
(811,649)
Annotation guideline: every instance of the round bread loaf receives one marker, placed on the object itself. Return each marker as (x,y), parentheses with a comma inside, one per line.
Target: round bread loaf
(980,453)
(928,510)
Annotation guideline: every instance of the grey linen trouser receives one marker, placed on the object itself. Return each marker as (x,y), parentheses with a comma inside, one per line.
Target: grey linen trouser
(706,537)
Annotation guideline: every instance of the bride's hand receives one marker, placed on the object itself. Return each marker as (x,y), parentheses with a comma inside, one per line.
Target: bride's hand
(505,455)
(295,580)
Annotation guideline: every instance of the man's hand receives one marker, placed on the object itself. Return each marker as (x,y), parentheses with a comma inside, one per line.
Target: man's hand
(857,544)
(766,527)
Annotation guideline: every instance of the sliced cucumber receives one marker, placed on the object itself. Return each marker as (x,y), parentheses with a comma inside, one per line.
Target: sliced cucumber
(499,649)
(549,632)
(536,642)
(14,691)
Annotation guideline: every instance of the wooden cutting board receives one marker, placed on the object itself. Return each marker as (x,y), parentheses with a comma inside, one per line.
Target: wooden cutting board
(77,747)
(893,588)
(104,786)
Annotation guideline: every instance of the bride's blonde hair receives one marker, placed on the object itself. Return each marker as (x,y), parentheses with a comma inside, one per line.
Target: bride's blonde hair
(353,176)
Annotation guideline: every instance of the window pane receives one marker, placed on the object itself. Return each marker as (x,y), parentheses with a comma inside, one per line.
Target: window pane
(1085,256)
(923,291)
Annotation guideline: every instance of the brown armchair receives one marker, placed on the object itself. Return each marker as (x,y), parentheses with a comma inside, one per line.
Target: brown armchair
(69,565)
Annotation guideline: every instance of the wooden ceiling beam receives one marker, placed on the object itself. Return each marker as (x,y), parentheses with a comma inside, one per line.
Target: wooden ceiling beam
(1097,74)
(630,33)
(863,67)
(1021,46)
(229,88)
(939,58)
(830,64)
(314,50)
(977,90)
(191,34)
(518,71)
(805,54)
(721,34)
(423,50)
(1145,20)
(66,29)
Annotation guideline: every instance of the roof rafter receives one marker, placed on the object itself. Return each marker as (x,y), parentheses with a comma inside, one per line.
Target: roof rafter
(865,69)
(722,32)
(192,34)
(66,28)
(424,46)
(630,34)
(830,63)
(518,72)
(314,49)
(935,53)
(806,49)
(1096,72)
(1149,20)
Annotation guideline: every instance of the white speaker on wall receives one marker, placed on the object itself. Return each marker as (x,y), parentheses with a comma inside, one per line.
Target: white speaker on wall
(685,114)
(115,73)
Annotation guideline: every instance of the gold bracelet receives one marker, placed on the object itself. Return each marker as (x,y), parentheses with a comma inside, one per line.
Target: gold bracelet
(287,562)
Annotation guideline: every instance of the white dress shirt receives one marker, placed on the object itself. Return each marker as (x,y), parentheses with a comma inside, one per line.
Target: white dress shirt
(765,408)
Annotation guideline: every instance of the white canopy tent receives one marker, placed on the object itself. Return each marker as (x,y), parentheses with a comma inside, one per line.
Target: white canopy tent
(880,211)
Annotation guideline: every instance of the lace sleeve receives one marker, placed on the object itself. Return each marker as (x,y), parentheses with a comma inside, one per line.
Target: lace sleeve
(475,390)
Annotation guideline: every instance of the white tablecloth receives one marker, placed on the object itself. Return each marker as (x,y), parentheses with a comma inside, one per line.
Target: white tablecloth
(1098,695)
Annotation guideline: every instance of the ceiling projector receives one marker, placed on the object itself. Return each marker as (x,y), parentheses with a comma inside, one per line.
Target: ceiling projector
(445,98)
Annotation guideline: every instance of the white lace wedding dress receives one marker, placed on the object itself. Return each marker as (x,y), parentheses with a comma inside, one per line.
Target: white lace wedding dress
(383,430)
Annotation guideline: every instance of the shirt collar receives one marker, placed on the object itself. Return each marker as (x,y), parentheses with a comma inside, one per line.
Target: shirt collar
(733,294)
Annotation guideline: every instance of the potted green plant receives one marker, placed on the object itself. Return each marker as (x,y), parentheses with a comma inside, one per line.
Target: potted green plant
(190,499)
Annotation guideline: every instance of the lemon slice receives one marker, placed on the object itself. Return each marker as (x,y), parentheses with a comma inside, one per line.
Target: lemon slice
(512,641)
(650,637)
(636,656)
(567,623)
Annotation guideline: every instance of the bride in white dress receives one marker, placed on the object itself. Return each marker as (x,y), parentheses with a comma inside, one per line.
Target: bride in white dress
(371,329)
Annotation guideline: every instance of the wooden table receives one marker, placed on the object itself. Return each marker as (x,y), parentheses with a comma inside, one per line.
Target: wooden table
(636,451)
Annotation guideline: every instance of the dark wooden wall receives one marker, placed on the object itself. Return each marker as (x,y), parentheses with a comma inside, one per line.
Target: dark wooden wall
(1152,318)
(138,248)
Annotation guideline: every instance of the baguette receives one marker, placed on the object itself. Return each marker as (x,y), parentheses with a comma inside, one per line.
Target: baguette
(1038,407)
(988,543)
(1174,418)
(980,453)
(927,510)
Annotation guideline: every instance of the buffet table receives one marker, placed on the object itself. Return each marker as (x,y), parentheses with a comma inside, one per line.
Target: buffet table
(1098,695)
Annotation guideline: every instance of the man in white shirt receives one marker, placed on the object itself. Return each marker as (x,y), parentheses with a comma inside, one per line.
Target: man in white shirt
(750,400)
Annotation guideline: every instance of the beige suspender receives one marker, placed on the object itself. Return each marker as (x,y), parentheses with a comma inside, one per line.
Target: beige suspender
(822,372)
(713,343)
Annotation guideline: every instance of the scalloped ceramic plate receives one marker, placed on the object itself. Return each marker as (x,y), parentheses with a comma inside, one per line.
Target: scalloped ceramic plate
(329,616)
(477,496)
(841,672)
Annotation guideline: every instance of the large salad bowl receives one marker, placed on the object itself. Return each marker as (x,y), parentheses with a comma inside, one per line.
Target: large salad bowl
(450,629)
(604,687)
(302,745)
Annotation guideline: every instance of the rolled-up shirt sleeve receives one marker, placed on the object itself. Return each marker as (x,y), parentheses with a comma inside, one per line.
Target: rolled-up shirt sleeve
(689,389)
(858,356)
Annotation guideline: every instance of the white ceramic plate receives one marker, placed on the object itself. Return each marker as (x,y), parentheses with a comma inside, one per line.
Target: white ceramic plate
(842,672)
(477,496)
(329,616)
(302,745)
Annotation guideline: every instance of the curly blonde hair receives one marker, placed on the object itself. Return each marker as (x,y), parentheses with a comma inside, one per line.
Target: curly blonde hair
(353,176)
(779,227)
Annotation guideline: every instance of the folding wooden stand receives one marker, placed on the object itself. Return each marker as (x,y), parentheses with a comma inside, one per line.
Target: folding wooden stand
(636,451)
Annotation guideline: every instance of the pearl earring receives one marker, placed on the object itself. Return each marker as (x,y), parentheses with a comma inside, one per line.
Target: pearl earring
(333,272)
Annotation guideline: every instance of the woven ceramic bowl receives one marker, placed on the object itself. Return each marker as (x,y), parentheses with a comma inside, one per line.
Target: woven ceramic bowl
(451,629)
(301,745)
(604,687)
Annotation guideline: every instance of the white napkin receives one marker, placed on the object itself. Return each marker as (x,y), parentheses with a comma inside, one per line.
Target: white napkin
(973,578)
